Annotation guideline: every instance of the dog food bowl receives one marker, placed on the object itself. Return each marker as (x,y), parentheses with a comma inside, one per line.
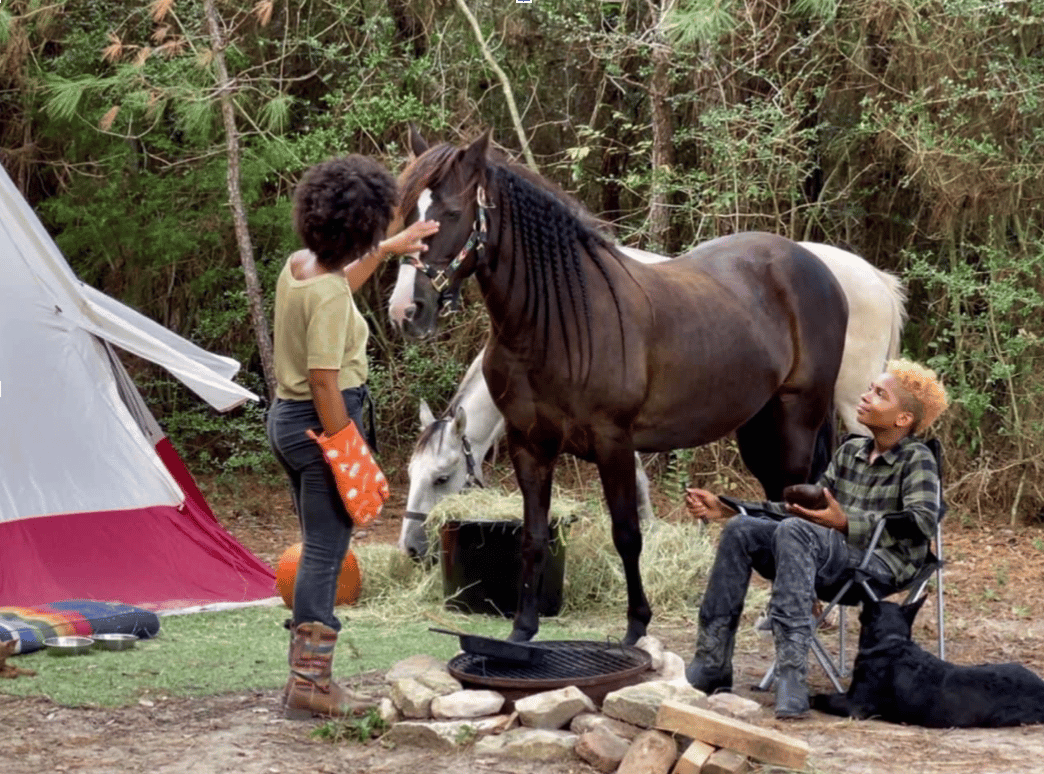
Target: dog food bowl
(68,646)
(115,641)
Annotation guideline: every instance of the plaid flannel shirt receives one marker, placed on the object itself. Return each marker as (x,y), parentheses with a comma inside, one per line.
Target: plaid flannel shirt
(905,479)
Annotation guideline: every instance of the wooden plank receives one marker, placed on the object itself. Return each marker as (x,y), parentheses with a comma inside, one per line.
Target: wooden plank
(693,759)
(726,762)
(761,744)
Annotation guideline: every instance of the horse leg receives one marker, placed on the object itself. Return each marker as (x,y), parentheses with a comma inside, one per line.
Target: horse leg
(533,471)
(645,506)
(616,468)
(778,442)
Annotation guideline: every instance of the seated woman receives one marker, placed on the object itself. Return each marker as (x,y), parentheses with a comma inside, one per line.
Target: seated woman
(802,550)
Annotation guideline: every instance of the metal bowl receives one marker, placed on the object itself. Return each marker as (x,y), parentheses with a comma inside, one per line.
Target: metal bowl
(68,646)
(115,641)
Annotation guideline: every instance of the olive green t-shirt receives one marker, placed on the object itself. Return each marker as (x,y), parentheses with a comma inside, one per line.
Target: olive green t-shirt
(317,326)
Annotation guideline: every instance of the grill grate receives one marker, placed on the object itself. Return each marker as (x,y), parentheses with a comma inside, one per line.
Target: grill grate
(567,662)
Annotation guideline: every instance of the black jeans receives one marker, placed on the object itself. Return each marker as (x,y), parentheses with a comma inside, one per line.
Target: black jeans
(326,527)
(797,556)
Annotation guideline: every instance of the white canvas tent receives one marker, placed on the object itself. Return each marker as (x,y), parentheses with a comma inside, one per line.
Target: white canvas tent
(94,501)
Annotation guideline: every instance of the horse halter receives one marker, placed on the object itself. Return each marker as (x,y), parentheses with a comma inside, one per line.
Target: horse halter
(469,461)
(442,279)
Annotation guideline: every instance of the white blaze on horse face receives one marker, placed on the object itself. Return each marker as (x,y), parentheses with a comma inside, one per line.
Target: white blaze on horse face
(402,295)
(424,203)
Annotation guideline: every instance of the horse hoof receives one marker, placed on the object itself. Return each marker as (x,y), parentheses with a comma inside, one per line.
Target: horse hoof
(635,631)
(517,635)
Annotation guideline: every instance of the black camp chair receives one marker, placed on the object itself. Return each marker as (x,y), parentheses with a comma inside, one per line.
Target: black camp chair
(852,590)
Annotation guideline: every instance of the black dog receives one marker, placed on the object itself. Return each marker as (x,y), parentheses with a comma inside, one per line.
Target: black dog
(895,680)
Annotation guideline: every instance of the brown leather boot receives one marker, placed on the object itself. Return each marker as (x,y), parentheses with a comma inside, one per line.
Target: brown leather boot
(310,690)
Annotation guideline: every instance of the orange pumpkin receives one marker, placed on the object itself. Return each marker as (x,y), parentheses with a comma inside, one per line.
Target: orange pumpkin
(349,584)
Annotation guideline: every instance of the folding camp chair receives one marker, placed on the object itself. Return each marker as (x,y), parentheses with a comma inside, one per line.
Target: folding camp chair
(858,585)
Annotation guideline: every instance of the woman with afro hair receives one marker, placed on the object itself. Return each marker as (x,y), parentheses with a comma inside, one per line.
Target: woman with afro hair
(342,209)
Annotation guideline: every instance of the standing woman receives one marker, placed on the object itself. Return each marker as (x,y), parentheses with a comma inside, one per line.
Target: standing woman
(342,209)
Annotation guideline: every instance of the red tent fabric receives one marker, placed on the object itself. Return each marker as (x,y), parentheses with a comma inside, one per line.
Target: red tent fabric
(160,557)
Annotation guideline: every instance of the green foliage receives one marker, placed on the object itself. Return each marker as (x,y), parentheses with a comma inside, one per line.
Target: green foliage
(701,22)
(359,730)
(911,132)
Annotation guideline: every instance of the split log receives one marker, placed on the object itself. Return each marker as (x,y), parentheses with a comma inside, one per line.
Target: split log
(761,744)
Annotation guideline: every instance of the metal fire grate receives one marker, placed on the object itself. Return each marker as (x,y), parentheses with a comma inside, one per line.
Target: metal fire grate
(567,662)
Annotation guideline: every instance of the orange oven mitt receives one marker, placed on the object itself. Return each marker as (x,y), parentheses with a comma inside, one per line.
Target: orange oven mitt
(360,482)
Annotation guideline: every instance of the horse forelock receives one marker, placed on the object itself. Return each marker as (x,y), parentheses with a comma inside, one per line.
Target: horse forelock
(427,434)
(425,171)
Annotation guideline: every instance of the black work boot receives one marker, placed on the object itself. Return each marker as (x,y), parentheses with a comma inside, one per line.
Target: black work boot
(710,670)
(791,672)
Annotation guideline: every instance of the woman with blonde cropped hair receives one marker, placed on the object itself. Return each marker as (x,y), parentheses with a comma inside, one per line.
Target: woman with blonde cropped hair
(806,549)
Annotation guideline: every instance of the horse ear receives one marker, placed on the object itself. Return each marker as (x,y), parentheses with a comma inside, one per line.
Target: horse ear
(416,142)
(910,611)
(474,160)
(460,422)
(426,417)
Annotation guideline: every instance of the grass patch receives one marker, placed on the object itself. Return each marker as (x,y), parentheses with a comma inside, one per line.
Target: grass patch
(232,651)
(237,650)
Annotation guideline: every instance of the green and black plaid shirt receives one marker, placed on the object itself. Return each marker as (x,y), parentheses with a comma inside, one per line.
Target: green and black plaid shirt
(905,479)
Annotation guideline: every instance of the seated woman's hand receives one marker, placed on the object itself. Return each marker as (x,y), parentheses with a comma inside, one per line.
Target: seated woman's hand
(706,506)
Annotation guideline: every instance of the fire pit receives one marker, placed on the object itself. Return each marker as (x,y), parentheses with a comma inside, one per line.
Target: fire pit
(596,668)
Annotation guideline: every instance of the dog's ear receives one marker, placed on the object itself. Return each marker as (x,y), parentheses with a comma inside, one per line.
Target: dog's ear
(910,611)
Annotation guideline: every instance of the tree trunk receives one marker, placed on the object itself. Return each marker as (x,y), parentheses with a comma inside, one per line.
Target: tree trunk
(235,200)
(663,136)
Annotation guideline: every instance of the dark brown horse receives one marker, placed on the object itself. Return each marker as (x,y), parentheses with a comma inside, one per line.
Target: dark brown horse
(597,355)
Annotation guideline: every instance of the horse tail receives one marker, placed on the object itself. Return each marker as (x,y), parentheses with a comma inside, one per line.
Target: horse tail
(826,442)
(898,297)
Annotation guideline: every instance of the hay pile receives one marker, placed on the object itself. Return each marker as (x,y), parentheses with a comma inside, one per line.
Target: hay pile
(676,558)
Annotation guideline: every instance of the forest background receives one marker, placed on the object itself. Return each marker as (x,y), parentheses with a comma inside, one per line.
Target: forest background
(160,143)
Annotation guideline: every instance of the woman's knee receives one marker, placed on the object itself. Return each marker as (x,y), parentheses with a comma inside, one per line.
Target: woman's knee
(793,529)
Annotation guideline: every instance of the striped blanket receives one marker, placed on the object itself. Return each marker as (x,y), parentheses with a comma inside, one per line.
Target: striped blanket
(30,626)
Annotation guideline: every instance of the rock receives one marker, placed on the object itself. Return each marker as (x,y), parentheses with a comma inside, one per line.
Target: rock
(412,698)
(534,744)
(673,666)
(439,681)
(466,704)
(444,734)
(553,709)
(654,648)
(638,704)
(734,706)
(387,710)
(601,748)
(652,752)
(415,665)
(585,721)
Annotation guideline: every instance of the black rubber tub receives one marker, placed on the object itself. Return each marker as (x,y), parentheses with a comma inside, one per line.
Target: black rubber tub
(482,566)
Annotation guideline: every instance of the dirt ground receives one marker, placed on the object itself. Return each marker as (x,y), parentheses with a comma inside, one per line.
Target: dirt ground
(993,613)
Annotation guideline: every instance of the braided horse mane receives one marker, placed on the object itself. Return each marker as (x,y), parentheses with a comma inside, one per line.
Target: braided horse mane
(550,234)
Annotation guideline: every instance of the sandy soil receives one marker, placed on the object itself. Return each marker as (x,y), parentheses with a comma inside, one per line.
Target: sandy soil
(993,583)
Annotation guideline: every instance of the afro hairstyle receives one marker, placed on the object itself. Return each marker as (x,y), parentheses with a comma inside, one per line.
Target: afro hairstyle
(342,208)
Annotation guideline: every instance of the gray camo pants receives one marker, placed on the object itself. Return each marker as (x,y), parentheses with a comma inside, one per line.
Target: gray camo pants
(797,556)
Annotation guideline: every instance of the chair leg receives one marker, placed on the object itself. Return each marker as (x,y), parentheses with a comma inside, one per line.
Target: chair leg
(828,665)
(842,635)
(766,681)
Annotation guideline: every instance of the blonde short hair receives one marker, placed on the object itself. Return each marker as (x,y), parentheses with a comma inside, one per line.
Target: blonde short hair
(925,397)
